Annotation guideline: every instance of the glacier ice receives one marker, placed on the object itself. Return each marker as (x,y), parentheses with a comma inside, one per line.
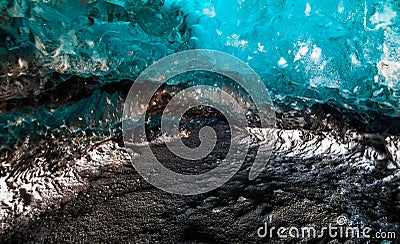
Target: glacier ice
(343,53)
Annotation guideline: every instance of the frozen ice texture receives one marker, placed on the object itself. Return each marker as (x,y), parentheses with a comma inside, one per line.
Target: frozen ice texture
(340,52)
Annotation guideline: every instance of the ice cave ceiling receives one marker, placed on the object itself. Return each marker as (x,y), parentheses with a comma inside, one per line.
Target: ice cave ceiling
(67,53)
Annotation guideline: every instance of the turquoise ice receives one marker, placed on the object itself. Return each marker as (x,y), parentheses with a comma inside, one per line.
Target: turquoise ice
(342,53)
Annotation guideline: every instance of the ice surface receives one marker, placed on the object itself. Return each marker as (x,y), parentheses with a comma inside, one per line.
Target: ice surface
(340,52)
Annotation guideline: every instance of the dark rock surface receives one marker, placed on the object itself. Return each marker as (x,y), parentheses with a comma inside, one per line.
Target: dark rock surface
(120,206)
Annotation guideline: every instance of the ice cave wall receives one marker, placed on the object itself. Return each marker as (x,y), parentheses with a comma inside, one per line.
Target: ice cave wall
(345,53)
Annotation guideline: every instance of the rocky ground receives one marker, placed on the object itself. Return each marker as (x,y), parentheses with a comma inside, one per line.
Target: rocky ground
(115,204)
